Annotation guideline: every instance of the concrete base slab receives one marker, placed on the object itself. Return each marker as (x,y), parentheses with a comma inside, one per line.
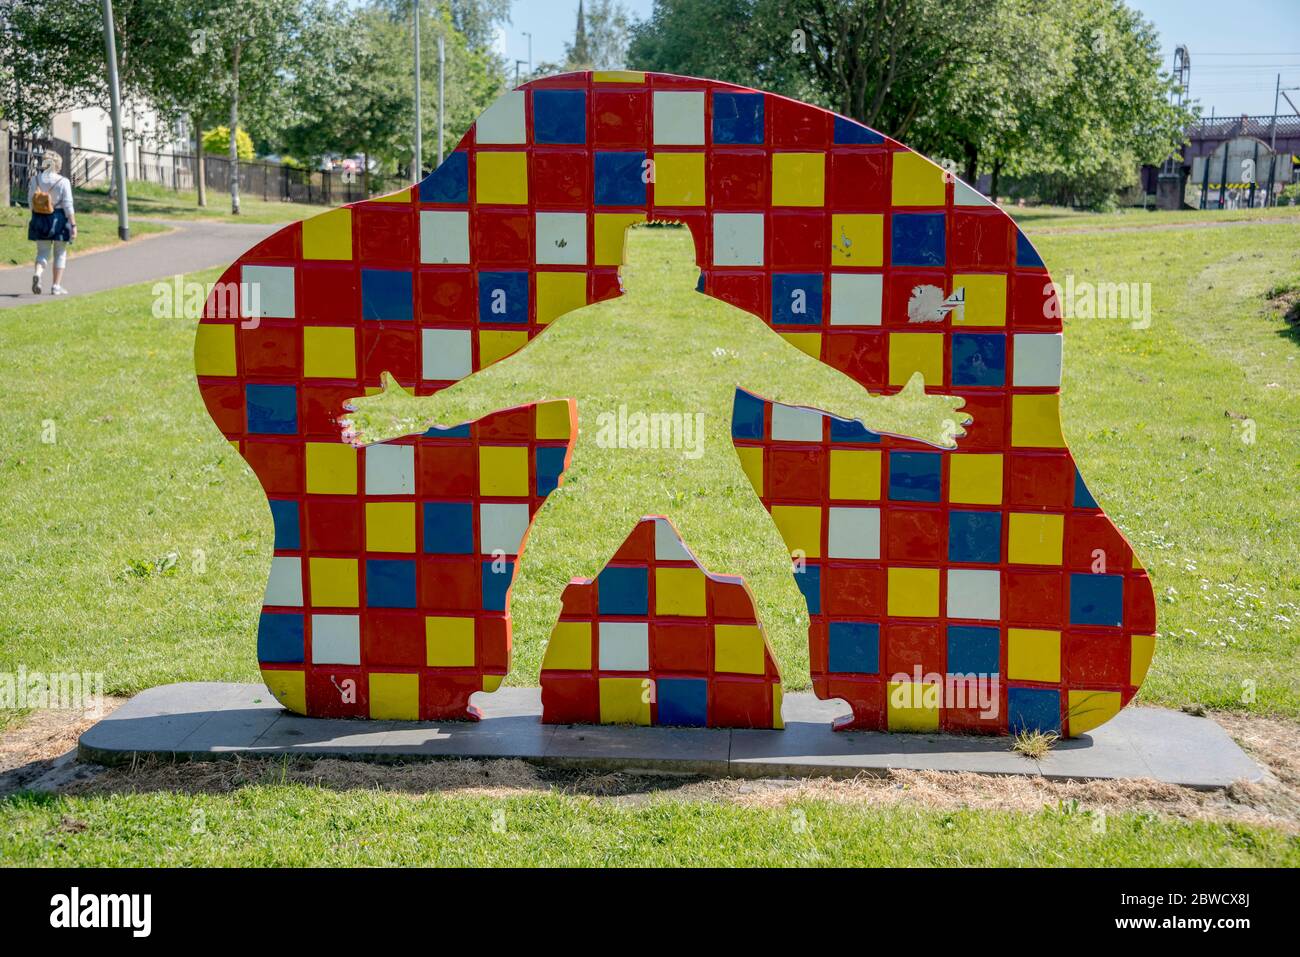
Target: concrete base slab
(209,720)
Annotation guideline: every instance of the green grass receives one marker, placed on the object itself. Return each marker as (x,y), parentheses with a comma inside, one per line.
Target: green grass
(1054,218)
(94,231)
(298,825)
(152,200)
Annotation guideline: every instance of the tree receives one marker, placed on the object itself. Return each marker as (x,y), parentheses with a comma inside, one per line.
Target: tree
(600,39)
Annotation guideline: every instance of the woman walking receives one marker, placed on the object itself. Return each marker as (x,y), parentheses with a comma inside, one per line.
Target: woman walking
(54,221)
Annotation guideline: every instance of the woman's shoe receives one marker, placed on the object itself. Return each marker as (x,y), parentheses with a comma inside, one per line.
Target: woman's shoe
(58,291)
(36,284)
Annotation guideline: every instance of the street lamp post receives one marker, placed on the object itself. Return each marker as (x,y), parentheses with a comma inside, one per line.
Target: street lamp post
(418,164)
(115,101)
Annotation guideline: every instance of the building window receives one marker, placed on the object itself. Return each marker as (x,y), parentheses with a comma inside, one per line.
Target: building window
(76,134)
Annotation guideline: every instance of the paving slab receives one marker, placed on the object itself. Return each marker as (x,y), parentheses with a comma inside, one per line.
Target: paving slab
(212,720)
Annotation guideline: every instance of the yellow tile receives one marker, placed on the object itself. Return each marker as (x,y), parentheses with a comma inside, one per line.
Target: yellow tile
(493,345)
(617,76)
(333,582)
(679,179)
(855,474)
(1090,709)
(913,593)
(738,649)
(329,352)
(857,239)
(911,352)
(394,696)
(917,181)
(569,648)
(1143,647)
(679,591)
(448,642)
(328,236)
(1035,538)
(801,527)
(798,179)
(553,420)
(492,682)
(809,342)
(1036,421)
(624,701)
(288,686)
(503,470)
(610,228)
(1033,654)
(214,349)
(975,479)
(912,706)
(751,460)
(560,292)
(501,178)
(986,299)
(331,468)
(778,720)
(401,196)
(390,526)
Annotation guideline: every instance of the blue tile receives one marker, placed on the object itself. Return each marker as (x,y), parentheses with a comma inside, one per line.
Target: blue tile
(917,239)
(623,591)
(747,416)
(559,116)
(449,528)
(796,299)
(390,583)
(738,117)
(550,463)
(618,179)
(449,183)
(973,650)
(682,701)
(1026,254)
(386,295)
(914,476)
(1096,600)
(1082,497)
(849,133)
(1033,709)
(279,639)
(975,537)
(284,512)
(503,297)
(455,432)
(979,358)
(272,409)
(851,430)
(810,583)
(853,647)
(496,584)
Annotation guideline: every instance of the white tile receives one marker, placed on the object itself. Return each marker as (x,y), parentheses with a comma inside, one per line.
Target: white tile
(335,640)
(1036,359)
(390,470)
(791,424)
(737,239)
(856,298)
(679,119)
(444,236)
(284,586)
(445,354)
(668,547)
(964,195)
(624,646)
(562,239)
(502,526)
(267,292)
(503,121)
(853,532)
(974,593)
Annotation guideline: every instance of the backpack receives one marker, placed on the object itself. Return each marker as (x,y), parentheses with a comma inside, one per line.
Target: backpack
(41,201)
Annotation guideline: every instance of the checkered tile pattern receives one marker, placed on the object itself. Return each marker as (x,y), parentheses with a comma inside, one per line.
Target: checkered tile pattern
(387,592)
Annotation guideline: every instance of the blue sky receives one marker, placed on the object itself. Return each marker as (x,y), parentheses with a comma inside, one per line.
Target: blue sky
(1237,48)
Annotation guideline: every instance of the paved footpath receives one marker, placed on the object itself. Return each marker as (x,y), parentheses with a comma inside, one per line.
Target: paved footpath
(189,247)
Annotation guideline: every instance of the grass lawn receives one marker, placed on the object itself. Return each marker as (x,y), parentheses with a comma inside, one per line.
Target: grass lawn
(152,200)
(94,231)
(138,544)
(1052,218)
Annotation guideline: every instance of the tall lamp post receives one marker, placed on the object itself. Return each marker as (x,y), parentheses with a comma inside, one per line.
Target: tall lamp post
(115,99)
(418,164)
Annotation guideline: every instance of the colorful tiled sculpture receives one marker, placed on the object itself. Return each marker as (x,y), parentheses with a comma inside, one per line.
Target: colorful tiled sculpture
(388,589)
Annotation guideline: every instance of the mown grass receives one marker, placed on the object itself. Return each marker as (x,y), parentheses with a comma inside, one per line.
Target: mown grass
(94,231)
(298,825)
(1061,218)
(152,200)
